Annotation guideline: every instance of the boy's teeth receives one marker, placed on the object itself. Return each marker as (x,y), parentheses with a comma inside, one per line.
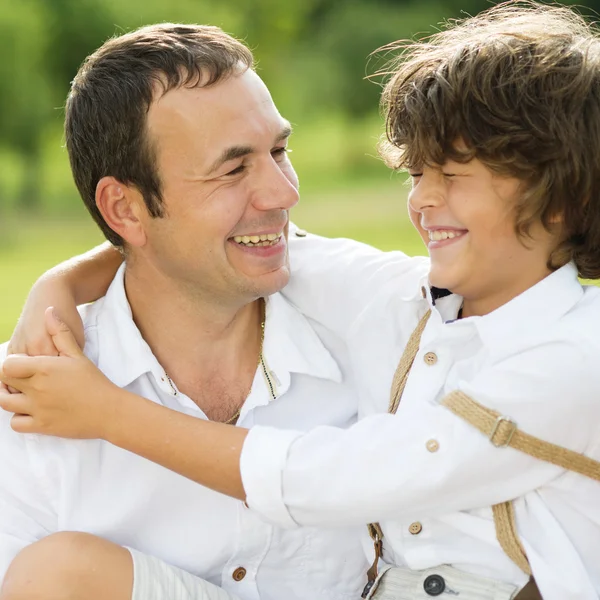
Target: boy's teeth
(439,235)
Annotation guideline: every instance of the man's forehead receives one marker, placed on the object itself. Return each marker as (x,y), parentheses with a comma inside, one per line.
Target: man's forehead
(200,126)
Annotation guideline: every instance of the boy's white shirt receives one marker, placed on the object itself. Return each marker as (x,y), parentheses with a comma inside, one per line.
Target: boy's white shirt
(50,484)
(536,360)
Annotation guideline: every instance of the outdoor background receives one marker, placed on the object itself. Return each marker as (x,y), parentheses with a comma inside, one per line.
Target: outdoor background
(313,55)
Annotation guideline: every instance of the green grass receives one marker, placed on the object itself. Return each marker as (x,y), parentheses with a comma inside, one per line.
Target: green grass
(370,212)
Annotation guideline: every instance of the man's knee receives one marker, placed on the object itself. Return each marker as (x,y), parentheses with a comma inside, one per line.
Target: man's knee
(69,566)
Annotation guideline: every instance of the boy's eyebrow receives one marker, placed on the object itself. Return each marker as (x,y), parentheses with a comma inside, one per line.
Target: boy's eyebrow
(234,152)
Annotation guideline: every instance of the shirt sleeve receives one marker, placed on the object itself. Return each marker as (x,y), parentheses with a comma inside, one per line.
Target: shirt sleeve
(381,467)
(334,279)
(26,514)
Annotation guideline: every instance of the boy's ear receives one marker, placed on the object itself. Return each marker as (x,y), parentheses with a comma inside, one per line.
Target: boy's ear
(122,208)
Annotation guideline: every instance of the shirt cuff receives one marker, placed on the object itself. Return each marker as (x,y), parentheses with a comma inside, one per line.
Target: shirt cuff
(263,460)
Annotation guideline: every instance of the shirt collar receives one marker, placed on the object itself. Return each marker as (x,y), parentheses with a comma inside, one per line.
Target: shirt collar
(290,346)
(123,354)
(535,309)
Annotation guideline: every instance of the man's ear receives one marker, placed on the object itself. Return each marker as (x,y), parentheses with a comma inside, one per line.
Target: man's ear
(122,207)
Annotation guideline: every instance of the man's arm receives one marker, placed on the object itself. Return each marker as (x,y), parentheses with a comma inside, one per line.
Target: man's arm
(77,281)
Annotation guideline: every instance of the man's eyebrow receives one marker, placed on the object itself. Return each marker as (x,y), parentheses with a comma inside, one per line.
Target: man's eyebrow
(230,154)
(240,151)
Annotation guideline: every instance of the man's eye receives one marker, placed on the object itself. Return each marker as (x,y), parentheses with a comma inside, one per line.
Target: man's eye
(236,171)
(413,175)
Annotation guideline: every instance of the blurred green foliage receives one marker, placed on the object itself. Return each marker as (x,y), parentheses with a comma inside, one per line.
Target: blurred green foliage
(313,54)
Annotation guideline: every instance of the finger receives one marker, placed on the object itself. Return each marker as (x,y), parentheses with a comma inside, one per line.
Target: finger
(63,338)
(19,366)
(44,346)
(7,389)
(23,424)
(15,403)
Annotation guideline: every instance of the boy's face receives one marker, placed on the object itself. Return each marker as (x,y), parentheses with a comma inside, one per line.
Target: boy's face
(465,215)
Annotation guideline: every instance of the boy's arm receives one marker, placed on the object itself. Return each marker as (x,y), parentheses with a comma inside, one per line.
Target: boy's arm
(76,281)
(327,476)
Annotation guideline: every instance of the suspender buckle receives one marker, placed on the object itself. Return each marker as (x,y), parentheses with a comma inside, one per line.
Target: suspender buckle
(506,432)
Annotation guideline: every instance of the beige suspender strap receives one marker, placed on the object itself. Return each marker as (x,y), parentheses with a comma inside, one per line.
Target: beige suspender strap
(508,537)
(502,432)
(408,358)
(398,385)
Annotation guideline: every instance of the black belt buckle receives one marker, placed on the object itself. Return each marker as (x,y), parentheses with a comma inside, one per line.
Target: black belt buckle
(367,589)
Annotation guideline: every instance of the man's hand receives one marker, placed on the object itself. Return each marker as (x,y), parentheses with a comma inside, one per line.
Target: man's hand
(64,395)
(31,336)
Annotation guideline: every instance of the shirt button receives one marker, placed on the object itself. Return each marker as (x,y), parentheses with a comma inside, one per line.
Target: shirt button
(423,292)
(415,528)
(434,585)
(239,574)
(433,445)
(430,358)
(302,233)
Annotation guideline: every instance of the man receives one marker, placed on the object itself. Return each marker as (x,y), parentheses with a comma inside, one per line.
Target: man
(180,156)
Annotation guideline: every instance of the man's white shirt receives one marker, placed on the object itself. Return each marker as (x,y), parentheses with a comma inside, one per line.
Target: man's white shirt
(428,477)
(50,484)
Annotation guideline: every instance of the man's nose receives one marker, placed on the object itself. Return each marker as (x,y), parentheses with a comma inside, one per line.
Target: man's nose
(277,188)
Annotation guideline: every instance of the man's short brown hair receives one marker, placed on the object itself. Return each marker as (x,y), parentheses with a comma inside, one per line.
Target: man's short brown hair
(519,86)
(106,109)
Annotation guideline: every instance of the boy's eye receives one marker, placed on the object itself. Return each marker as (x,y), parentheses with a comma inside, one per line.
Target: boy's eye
(279,153)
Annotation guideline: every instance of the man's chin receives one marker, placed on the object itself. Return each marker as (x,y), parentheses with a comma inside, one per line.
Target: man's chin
(269,283)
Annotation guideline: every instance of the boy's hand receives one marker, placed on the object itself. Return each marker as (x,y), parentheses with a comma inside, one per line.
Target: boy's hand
(63,395)
(30,335)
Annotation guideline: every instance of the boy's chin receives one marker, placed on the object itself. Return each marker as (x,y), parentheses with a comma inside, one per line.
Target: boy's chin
(440,278)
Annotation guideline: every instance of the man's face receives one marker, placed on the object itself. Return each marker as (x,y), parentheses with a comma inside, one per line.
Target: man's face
(466,217)
(227,187)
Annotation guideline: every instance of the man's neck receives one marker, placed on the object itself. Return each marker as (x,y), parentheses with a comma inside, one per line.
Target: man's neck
(206,347)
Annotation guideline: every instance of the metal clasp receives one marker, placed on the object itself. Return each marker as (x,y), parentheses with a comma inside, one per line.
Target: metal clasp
(499,421)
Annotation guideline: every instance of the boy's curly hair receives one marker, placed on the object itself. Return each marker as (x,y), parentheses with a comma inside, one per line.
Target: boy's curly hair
(519,86)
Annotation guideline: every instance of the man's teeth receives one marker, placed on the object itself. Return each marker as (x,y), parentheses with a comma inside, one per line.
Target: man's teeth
(266,239)
(440,234)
